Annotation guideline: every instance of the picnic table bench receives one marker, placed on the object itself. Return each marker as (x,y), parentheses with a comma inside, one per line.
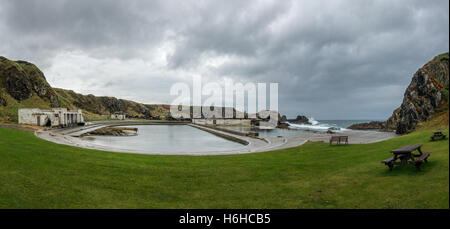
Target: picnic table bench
(437,134)
(339,139)
(404,156)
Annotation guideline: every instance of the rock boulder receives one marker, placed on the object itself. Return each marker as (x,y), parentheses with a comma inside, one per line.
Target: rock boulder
(300,120)
(374,125)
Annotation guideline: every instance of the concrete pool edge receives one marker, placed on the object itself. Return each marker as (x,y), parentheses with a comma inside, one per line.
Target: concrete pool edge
(69,137)
(221,134)
(255,145)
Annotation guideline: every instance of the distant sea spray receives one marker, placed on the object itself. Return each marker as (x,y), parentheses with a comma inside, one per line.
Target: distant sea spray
(324,125)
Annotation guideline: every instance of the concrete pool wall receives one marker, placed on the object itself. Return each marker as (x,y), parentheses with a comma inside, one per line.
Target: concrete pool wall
(70,136)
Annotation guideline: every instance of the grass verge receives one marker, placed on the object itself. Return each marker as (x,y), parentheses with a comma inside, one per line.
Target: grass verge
(38,174)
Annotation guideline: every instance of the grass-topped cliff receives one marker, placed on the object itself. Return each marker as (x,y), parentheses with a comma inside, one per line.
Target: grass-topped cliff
(426,95)
(23,85)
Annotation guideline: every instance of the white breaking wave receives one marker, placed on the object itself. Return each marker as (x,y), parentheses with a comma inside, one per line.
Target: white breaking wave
(315,126)
(313,121)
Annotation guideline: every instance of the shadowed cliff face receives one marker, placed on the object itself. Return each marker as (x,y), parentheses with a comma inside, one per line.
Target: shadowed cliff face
(22,80)
(423,97)
(17,84)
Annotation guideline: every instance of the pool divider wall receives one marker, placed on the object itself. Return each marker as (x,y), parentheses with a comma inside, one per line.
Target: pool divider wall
(211,131)
(127,123)
(252,135)
(248,134)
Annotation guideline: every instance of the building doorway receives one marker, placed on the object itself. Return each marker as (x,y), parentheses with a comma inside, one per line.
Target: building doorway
(48,123)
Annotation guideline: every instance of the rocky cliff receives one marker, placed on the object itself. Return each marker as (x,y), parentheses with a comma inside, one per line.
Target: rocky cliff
(22,84)
(426,95)
(21,80)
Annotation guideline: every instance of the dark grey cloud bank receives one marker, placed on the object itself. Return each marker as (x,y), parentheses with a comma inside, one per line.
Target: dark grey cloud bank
(332,59)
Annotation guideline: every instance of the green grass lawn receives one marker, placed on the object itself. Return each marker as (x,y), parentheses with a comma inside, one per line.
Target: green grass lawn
(39,174)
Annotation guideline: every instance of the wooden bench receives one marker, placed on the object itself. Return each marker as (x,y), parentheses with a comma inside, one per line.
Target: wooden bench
(421,159)
(339,139)
(343,139)
(389,162)
(437,134)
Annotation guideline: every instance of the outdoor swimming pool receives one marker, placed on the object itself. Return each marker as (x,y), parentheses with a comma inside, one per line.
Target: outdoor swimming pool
(166,138)
(267,132)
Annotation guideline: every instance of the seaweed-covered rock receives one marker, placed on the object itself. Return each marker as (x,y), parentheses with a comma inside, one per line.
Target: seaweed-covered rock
(113,131)
(374,125)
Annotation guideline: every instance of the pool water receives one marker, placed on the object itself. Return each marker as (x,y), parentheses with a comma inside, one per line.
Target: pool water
(166,138)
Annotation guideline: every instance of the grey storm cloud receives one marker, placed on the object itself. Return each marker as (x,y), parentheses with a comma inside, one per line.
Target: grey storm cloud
(349,59)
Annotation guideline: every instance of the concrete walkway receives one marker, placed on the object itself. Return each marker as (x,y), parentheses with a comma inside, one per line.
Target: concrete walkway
(70,136)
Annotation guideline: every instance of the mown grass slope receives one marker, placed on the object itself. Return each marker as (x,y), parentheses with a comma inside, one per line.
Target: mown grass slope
(39,174)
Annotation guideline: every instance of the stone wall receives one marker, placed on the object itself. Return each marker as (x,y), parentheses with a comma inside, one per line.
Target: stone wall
(54,117)
(223,122)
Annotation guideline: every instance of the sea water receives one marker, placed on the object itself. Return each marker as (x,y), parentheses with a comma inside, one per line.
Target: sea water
(300,129)
(325,125)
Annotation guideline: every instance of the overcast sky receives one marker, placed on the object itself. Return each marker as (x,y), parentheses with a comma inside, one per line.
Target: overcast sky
(350,59)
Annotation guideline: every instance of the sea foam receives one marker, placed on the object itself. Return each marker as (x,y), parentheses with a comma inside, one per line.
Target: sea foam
(316,126)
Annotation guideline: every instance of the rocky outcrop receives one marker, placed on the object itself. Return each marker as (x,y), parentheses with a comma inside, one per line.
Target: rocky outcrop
(299,120)
(283,121)
(22,79)
(423,96)
(283,125)
(374,125)
(113,131)
(426,95)
(17,84)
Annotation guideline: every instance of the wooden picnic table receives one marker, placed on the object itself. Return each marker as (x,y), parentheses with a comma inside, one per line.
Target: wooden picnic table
(406,156)
(437,134)
(405,153)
